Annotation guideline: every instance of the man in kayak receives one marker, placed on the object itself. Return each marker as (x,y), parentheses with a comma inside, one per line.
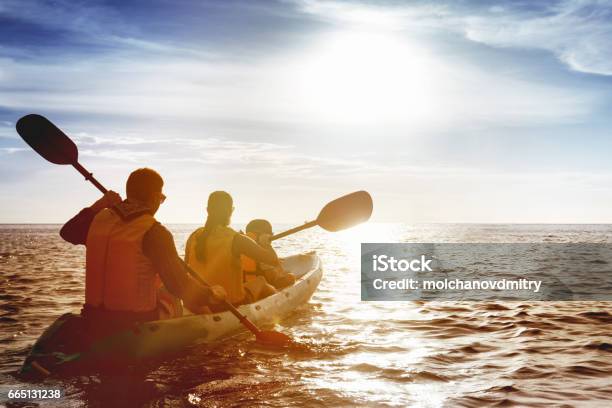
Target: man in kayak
(214,251)
(128,252)
(275,276)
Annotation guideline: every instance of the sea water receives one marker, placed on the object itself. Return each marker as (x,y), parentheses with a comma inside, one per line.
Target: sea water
(427,354)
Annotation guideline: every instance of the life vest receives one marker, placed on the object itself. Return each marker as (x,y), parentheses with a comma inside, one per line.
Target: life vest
(249,265)
(119,277)
(220,266)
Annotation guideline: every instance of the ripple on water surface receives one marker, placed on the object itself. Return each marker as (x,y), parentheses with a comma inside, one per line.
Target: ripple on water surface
(356,353)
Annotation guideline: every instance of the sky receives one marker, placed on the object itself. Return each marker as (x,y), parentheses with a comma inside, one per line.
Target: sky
(493,112)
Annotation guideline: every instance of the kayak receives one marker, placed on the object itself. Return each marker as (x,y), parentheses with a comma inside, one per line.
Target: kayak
(58,349)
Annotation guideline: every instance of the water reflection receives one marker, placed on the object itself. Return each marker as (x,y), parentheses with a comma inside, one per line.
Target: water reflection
(359,353)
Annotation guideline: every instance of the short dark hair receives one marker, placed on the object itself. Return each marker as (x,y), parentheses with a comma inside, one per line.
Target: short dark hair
(259,226)
(143,183)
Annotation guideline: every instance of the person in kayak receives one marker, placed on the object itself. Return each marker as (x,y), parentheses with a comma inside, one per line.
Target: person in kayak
(128,252)
(214,251)
(275,276)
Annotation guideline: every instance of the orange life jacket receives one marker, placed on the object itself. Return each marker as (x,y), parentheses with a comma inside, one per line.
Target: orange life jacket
(249,265)
(220,266)
(119,277)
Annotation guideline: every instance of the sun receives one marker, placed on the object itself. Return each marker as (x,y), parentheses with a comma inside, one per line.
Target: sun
(359,76)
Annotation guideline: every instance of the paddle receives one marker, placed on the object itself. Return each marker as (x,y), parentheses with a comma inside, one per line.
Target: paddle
(342,213)
(263,336)
(52,144)
(55,146)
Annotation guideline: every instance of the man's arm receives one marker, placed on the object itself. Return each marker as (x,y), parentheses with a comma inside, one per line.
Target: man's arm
(75,231)
(158,246)
(244,245)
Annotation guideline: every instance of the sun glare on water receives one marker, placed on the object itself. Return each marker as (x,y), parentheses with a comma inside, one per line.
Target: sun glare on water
(352,238)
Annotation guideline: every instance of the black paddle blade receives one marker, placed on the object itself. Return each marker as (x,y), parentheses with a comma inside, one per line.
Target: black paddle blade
(346,211)
(47,139)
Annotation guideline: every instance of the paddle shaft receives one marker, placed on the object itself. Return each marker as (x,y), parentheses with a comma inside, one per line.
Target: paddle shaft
(89,177)
(283,234)
(243,319)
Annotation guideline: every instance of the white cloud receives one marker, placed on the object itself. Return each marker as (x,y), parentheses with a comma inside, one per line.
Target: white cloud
(578,32)
(280,89)
(372,15)
(11,150)
(229,156)
(407,86)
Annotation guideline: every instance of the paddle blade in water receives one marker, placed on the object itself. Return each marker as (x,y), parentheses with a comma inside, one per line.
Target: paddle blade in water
(47,139)
(346,211)
(273,338)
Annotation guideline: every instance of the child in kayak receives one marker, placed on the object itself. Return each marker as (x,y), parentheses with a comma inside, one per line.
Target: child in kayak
(213,251)
(274,275)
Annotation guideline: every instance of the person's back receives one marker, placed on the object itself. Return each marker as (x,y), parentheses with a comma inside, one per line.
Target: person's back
(118,273)
(218,265)
(214,251)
